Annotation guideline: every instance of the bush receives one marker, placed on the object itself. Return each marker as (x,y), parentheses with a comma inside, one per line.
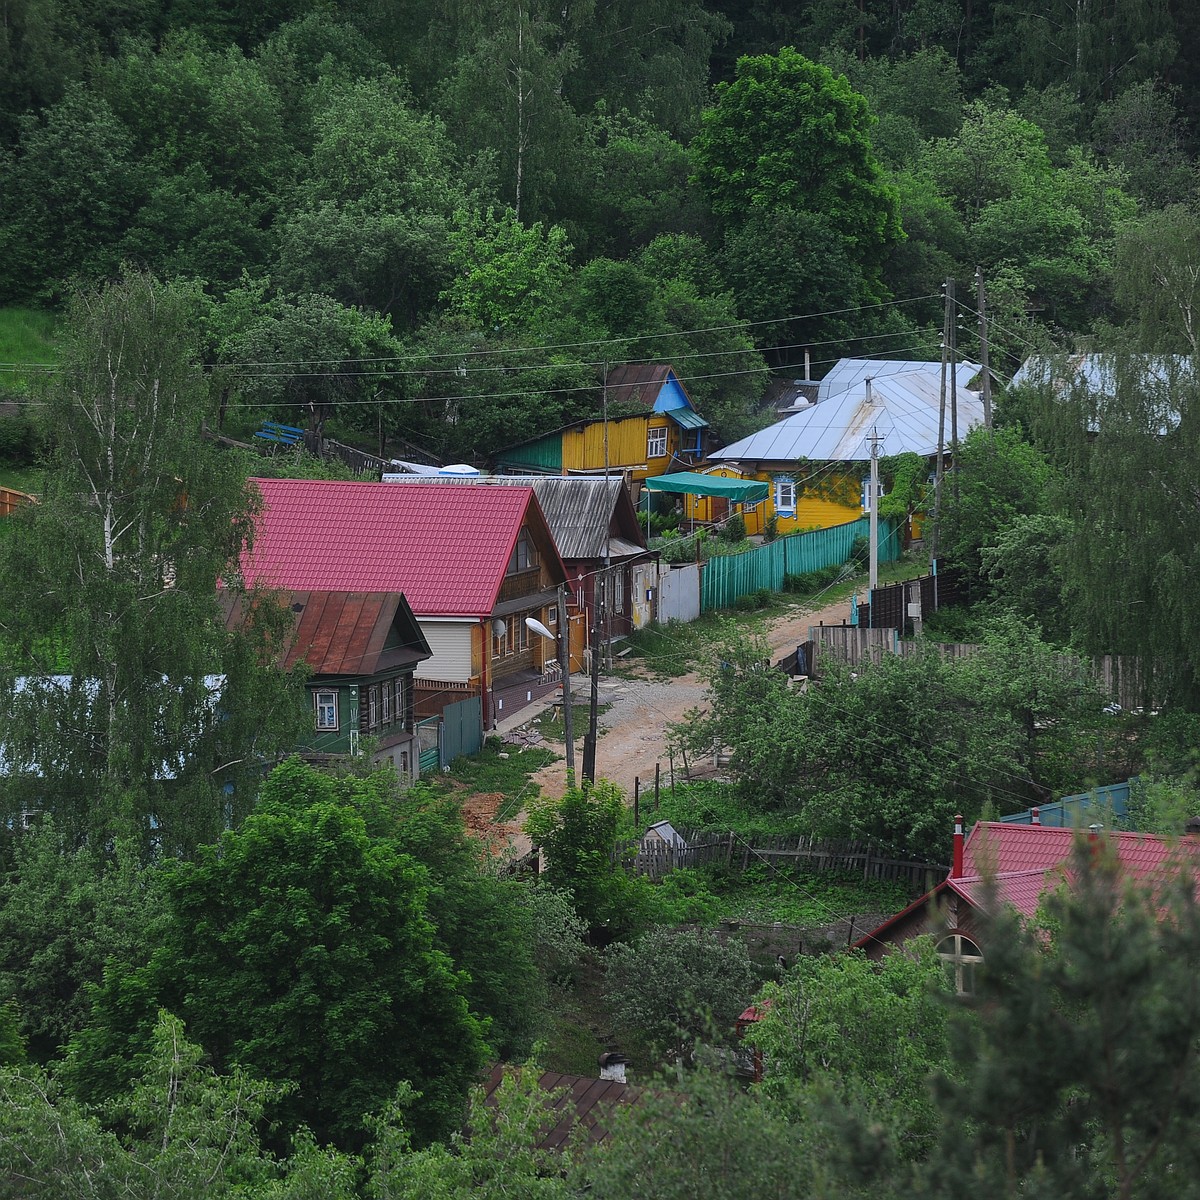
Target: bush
(18,438)
(811,581)
(734,530)
(771,528)
(753,601)
(860,552)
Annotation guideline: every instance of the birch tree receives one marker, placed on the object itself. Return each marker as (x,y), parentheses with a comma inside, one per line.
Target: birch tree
(108,586)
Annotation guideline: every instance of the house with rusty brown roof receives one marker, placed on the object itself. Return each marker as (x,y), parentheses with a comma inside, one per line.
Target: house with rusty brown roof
(361,649)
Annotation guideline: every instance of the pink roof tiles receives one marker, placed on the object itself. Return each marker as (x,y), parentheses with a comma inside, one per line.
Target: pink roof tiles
(1026,861)
(445,548)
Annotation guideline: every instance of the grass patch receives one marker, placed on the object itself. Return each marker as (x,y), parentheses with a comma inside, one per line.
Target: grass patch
(716,806)
(21,478)
(766,893)
(550,723)
(498,768)
(668,651)
(27,335)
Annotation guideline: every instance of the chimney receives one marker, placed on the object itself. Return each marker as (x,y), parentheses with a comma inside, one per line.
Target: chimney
(956,869)
(807,366)
(612,1067)
(1035,816)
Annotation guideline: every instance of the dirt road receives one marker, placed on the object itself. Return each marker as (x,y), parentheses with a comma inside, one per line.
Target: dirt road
(635,726)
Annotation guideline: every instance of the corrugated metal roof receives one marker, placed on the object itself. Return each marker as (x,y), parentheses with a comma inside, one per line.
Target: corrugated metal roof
(687,418)
(343,633)
(587,1102)
(579,509)
(849,374)
(445,548)
(636,383)
(904,409)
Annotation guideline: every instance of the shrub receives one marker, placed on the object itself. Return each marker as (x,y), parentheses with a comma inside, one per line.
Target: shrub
(18,439)
(734,530)
(771,528)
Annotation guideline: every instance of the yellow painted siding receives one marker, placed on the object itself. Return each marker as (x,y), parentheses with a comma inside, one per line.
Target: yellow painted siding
(812,511)
(628,439)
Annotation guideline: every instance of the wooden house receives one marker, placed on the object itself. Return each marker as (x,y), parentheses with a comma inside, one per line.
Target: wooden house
(1016,864)
(361,650)
(473,563)
(602,545)
(652,429)
(816,459)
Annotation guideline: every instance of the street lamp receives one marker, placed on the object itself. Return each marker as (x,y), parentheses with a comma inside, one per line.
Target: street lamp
(564,663)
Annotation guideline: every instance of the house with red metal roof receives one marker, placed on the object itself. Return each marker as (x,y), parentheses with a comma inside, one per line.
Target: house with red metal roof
(1001,863)
(361,649)
(473,563)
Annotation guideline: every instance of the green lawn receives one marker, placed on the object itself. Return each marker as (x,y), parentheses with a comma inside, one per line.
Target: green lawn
(21,478)
(27,338)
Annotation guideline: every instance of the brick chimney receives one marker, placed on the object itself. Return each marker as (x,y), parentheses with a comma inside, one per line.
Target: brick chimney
(1035,817)
(956,868)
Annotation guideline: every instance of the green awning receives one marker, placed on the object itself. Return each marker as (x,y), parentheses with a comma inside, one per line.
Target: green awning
(743,491)
(686,418)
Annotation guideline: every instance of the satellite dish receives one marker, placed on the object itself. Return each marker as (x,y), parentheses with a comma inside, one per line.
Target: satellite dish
(499,627)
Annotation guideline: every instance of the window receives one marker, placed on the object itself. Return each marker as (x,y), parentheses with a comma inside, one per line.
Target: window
(961,957)
(373,707)
(399,705)
(387,703)
(524,556)
(785,495)
(656,442)
(327,710)
(518,635)
(618,592)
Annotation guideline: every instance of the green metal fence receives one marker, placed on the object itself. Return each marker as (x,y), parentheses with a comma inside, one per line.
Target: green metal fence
(723,580)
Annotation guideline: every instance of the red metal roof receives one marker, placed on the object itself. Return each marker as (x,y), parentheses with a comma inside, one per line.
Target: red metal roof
(1026,861)
(445,548)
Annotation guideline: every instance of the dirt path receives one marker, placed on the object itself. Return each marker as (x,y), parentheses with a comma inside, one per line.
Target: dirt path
(635,726)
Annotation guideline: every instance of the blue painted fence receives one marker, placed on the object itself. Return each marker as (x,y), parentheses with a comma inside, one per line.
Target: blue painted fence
(723,580)
(1074,812)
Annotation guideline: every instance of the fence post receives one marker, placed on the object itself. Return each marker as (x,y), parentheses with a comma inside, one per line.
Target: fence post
(637,788)
(657,772)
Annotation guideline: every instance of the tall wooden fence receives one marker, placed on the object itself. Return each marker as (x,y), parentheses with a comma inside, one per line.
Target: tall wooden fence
(1117,676)
(731,852)
(889,606)
(11,500)
(727,578)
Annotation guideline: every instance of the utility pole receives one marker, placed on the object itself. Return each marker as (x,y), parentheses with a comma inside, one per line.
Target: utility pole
(941,443)
(564,666)
(981,305)
(953,385)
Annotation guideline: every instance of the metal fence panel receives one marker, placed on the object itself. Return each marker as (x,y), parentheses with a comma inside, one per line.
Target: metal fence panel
(462,731)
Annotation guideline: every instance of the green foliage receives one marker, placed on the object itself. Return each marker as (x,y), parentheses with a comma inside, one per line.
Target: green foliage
(303,950)
(789,134)
(497,1155)
(117,569)
(1099,995)
(1001,478)
(27,336)
(577,834)
(734,529)
(64,913)
(809,582)
(677,985)
(873,1033)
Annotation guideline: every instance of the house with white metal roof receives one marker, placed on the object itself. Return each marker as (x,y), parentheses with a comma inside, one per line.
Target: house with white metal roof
(814,459)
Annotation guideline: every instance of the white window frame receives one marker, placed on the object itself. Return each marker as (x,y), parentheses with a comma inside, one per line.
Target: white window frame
(524,556)
(782,486)
(373,707)
(326,701)
(961,955)
(386,689)
(398,700)
(656,442)
(618,592)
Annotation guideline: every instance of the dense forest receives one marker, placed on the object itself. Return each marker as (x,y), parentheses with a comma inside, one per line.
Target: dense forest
(434,224)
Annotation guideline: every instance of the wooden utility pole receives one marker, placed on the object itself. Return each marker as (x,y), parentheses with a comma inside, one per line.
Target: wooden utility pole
(981,305)
(941,443)
(953,385)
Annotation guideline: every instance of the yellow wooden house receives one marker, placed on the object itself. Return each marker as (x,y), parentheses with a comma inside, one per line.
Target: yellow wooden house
(652,429)
(816,460)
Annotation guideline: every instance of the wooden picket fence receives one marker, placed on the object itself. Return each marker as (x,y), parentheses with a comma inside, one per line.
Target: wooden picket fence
(734,853)
(11,500)
(1118,676)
